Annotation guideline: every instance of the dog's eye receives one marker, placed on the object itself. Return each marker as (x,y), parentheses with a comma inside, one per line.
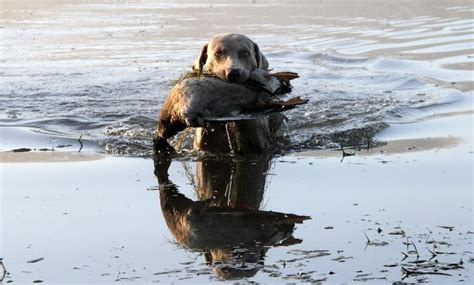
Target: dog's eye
(244,53)
(218,53)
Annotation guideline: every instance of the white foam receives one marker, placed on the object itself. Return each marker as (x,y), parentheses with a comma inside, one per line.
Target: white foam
(421,68)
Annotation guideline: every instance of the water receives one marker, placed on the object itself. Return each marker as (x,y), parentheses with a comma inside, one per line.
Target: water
(104,220)
(103,69)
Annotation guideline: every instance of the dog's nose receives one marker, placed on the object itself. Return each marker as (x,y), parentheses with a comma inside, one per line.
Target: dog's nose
(234,74)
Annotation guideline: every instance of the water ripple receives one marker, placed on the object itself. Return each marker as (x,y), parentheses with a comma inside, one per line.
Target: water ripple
(103,70)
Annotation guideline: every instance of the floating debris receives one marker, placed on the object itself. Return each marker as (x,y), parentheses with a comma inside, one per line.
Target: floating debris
(4,270)
(127,278)
(375,242)
(35,260)
(397,233)
(167,272)
(22,149)
(63,145)
(439,242)
(306,254)
(342,258)
(304,276)
(363,279)
(450,228)
(414,272)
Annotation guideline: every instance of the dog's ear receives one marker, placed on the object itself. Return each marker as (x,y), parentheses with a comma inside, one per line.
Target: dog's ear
(201,60)
(262,62)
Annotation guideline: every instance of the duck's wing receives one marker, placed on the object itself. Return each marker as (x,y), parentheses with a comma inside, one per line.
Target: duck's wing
(286,76)
(288,104)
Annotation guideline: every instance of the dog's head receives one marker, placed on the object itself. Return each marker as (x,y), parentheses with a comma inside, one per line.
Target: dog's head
(230,57)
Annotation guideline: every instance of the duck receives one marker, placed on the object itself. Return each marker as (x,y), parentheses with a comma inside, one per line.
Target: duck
(197,101)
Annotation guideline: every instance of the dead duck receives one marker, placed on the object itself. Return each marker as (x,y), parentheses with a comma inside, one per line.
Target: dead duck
(199,101)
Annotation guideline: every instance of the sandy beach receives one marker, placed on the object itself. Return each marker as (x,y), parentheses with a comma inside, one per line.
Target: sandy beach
(378,186)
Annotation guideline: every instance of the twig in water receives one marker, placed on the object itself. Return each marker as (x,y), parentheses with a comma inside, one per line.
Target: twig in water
(417,255)
(429,234)
(433,253)
(368,240)
(4,270)
(409,272)
(344,153)
(374,243)
(80,142)
(407,243)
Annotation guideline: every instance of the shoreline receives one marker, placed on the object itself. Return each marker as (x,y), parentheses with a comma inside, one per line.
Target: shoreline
(439,131)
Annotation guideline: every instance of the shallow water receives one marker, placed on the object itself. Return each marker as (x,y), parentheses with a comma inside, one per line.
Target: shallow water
(211,221)
(102,69)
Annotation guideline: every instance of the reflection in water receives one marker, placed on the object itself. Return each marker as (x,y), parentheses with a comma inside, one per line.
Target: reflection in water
(226,224)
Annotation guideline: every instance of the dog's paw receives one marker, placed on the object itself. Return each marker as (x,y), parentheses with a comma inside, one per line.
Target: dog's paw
(162,147)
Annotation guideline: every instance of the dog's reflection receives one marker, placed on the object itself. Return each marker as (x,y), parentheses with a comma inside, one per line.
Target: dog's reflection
(226,223)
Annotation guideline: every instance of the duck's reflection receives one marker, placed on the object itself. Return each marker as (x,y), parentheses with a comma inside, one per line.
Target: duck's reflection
(226,223)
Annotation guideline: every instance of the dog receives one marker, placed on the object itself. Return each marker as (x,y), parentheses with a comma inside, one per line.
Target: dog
(196,102)
(232,57)
(229,75)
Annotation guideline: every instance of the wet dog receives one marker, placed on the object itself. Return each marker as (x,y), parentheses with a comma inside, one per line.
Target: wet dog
(198,102)
(225,56)
(227,62)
